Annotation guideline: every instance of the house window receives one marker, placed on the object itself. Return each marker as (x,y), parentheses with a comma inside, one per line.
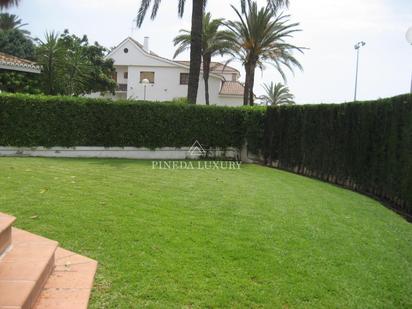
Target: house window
(126,75)
(234,77)
(184,78)
(125,50)
(114,76)
(150,76)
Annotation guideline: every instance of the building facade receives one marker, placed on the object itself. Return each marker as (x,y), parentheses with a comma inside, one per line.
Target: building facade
(143,75)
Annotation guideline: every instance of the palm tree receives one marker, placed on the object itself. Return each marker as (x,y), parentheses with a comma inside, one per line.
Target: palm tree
(274,4)
(259,37)
(8,3)
(12,22)
(50,55)
(196,38)
(214,41)
(277,94)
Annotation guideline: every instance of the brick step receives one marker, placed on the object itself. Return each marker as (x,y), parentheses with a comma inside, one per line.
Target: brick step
(36,273)
(70,284)
(6,223)
(25,268)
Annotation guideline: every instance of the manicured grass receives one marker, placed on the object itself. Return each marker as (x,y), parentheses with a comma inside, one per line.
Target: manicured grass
(256,237)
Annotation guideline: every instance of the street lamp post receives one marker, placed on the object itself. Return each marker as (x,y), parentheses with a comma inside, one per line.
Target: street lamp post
(357,48)
(145,82)
(409,39)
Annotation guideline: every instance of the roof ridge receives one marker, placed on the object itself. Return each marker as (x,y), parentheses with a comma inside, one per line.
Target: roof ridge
(227,68)
(11,62)
(233,88)
(17,58)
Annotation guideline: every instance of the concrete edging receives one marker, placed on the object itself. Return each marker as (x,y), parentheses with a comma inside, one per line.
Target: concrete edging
(164,153)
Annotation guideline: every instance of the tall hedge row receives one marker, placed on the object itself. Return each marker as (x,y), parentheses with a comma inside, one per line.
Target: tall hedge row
(64,121)
(365,146)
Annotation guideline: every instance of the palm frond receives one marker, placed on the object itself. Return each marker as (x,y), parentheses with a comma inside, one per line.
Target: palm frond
(145,5)
(8,3)
(12,22)
(214,40)
(260,36)
(182,41)
(272,4)
(277,94)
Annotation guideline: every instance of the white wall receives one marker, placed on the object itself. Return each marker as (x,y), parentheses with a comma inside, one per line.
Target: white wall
(214,97)
(135,56)
(120,70)
(98,95)
(164,153)
(228,76)
(231,100)
(166,86)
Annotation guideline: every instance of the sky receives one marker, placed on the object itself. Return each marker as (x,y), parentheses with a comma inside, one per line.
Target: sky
(329,31)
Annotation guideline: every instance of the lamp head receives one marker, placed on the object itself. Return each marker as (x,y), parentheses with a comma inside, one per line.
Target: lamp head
(359,44)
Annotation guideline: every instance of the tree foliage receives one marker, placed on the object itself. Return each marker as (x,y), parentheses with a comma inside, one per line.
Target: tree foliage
(73,67)
(8,3)
(198,7)
(11,22)
(214,42)
(260,36)
(23,82)
(14,42)
(273,4)
(277,94)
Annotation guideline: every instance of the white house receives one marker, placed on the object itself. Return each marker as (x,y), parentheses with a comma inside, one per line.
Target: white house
(168,79)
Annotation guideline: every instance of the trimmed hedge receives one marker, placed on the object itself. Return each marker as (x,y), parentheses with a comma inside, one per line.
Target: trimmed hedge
(366,146)
(66,121)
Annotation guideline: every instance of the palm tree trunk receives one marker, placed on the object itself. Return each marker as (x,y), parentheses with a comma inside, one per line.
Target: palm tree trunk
(247,85)
(206,71)
(252,82)
(195,50)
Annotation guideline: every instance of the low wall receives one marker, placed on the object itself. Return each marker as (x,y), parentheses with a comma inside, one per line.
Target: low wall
(165,153)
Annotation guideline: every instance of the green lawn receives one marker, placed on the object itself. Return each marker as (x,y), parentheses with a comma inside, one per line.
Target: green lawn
(251,238)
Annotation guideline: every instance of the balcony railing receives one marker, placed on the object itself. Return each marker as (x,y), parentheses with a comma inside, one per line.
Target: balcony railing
(121,87)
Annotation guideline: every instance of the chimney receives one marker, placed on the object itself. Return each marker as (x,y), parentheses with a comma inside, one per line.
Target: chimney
(146,44)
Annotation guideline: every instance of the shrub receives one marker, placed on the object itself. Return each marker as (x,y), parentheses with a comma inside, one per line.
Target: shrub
(72,121)
(366,146)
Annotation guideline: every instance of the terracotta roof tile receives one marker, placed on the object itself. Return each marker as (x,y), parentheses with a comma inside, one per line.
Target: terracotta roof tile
(10,62)
(232,88)
(216,67)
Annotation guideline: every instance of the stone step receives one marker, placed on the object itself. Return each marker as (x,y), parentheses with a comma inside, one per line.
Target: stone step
(70,284)
(6,223)
(24,269)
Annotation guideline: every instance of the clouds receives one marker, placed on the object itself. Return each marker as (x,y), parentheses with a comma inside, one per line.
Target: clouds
(330,29)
